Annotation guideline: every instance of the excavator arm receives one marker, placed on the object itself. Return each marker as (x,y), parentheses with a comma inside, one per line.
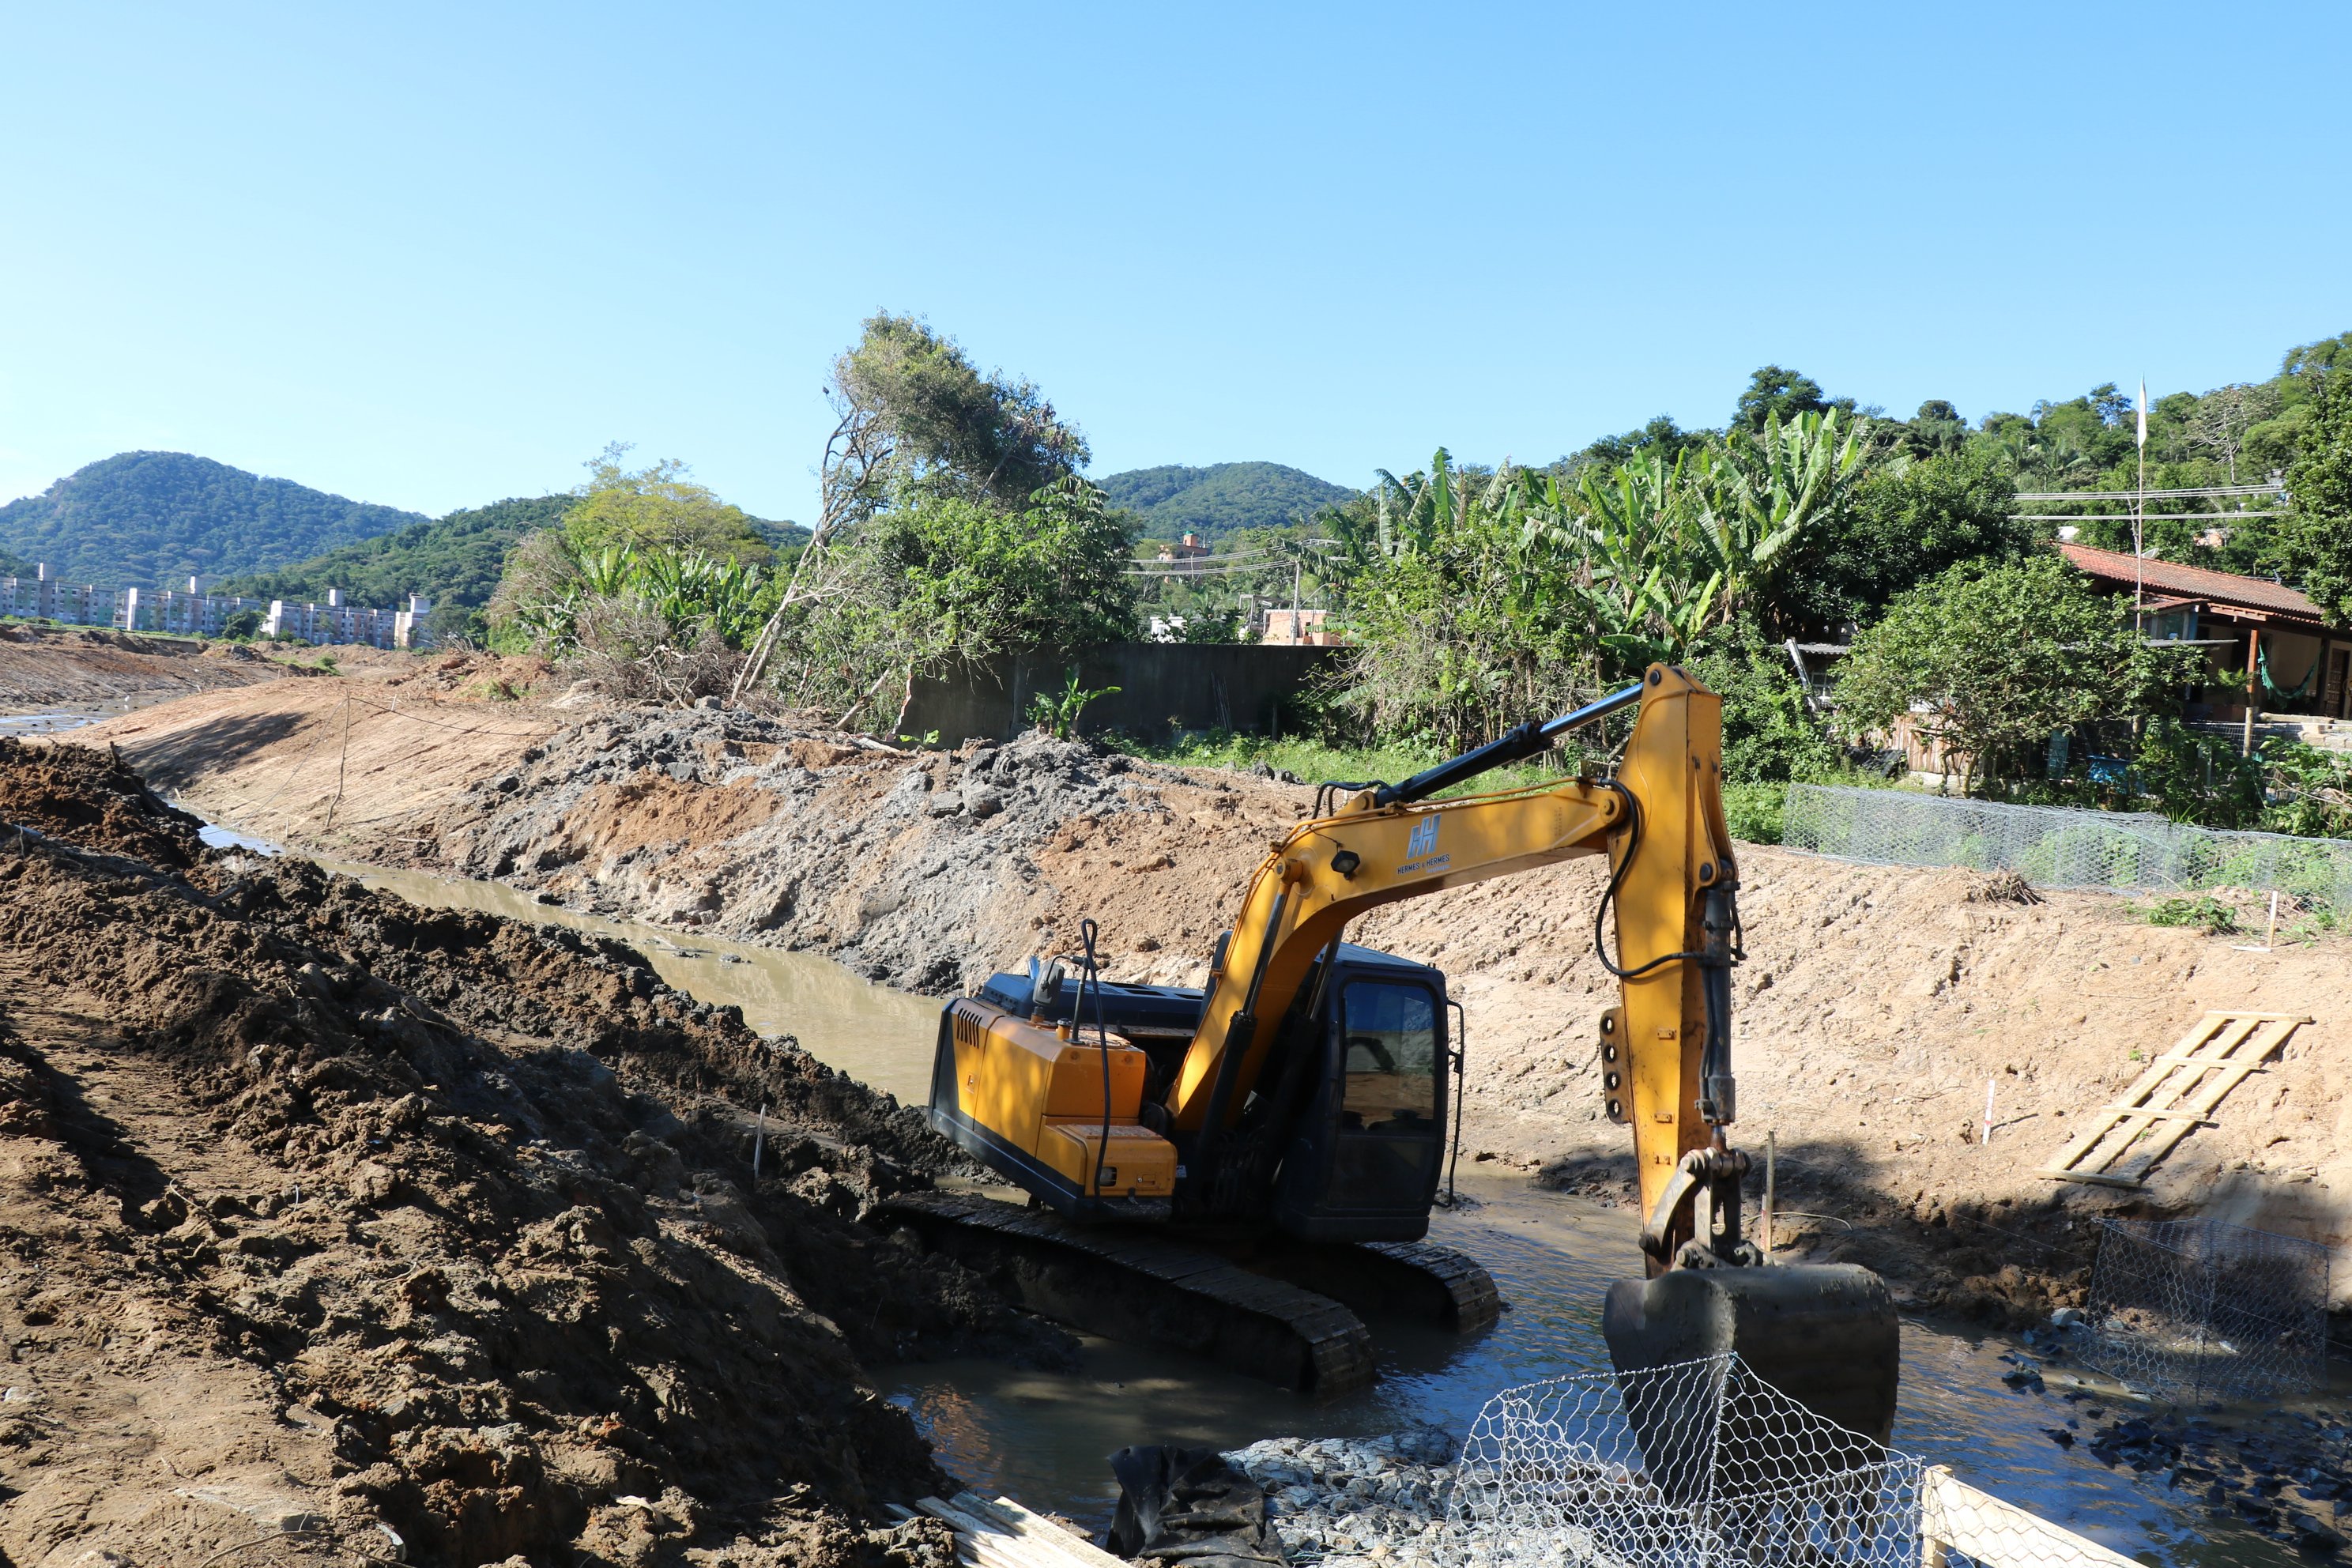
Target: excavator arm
(1667,1044)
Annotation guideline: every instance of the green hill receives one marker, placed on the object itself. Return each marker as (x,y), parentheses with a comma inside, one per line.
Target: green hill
(150,518)
(1221,499)
(453,560)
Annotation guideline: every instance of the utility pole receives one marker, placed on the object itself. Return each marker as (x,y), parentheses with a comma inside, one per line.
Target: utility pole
(2139,516)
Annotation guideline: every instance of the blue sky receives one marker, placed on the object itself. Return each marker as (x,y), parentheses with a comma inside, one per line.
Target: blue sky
(432,256)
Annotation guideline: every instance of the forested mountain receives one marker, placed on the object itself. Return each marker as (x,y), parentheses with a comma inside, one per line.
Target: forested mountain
(454,560)
(1221,499)
(150,518)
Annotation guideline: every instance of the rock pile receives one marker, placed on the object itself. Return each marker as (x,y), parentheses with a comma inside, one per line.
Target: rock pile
(1338,1500)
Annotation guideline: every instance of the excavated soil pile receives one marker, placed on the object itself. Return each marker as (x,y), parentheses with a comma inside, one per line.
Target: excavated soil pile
(921,869)
(322,1212)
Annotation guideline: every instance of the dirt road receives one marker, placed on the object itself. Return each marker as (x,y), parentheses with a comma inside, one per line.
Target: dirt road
(344,763)
(43,667)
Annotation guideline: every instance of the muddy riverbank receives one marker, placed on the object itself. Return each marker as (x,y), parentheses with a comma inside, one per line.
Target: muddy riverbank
(318,1207)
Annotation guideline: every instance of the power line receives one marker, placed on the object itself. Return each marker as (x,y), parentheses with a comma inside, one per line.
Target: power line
(2202,493)
(2145,516)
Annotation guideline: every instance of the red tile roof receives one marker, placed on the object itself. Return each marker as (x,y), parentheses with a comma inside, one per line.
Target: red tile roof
(2201,582)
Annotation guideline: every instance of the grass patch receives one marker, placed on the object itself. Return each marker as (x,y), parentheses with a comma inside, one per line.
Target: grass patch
(1312,762)
(2207,914)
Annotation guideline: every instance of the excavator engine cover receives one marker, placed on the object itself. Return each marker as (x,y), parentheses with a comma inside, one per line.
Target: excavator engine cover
(1823,1335)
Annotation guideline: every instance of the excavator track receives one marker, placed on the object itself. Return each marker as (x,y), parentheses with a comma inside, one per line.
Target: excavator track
(1418,1279)
(1284,1311)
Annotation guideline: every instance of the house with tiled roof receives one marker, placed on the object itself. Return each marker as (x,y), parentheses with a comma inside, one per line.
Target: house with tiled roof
(2295,664)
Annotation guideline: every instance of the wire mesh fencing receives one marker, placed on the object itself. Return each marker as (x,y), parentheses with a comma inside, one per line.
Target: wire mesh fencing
(2197,1309)
(2059,848)
(1696,1465)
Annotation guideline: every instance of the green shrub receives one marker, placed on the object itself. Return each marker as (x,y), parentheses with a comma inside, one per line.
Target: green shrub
(2204,911)
(1756,810)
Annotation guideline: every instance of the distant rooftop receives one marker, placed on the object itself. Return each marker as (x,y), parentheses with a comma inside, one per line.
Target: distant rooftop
(2202,584)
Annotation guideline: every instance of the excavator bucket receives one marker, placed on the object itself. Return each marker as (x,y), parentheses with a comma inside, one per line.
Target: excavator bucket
(1823,1335)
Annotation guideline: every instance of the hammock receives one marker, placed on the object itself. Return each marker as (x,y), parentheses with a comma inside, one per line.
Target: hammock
(2302,688)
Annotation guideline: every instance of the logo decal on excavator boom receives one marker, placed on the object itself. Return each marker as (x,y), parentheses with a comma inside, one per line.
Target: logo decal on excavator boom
(1423,840)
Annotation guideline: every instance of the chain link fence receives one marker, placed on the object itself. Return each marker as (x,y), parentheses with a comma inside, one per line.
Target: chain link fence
(2058,847)
(2197,1309)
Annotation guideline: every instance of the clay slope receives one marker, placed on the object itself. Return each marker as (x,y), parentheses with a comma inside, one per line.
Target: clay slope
(321,1210)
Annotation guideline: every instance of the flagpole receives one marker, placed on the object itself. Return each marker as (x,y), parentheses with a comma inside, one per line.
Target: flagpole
(2139,516)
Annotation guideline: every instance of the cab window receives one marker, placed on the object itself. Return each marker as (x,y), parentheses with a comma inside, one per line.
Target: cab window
(1390,1043)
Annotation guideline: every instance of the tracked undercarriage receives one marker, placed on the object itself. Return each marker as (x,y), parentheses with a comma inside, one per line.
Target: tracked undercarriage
(1290,1313)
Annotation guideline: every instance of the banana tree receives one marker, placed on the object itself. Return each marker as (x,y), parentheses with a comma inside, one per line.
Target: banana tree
(1756,495)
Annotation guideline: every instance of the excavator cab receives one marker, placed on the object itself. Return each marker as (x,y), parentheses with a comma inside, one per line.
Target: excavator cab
(1341,1139)
(1364,1159)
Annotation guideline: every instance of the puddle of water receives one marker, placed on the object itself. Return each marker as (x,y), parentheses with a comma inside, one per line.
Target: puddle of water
(877,1036)
(220,837)
(1046,1435)
(62,716)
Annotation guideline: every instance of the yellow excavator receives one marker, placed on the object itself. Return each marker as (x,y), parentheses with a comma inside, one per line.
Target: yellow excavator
(1290,1120)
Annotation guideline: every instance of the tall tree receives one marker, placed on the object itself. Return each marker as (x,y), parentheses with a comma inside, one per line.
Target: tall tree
(911,410)
(2313,547)
(1776,393)
(1990,660)
(1902,524)
(657,507)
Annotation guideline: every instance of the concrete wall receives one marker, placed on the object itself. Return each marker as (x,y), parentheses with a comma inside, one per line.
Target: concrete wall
(1164,687)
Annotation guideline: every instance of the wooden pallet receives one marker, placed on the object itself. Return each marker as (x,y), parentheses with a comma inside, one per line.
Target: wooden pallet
(1003,1534)
(2177,1094)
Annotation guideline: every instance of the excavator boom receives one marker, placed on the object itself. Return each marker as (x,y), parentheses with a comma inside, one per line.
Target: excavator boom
(1660,819)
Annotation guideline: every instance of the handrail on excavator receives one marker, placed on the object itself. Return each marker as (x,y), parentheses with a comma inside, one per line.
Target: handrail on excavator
(1520,741)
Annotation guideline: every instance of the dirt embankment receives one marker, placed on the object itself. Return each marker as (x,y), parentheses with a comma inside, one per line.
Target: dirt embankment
(321,1209)
(1875,1004)
(75,667)
(342,760)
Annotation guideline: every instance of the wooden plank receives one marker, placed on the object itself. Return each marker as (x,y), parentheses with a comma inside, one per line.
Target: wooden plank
(1033,1526)
(2209,1096)
(2091,1179)
(2198,1033)
(1003,1534)
(2180,1090)
(1957,1517)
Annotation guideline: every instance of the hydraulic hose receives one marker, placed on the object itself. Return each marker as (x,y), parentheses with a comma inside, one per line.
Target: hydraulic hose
(1718,1095)
(1093,979)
